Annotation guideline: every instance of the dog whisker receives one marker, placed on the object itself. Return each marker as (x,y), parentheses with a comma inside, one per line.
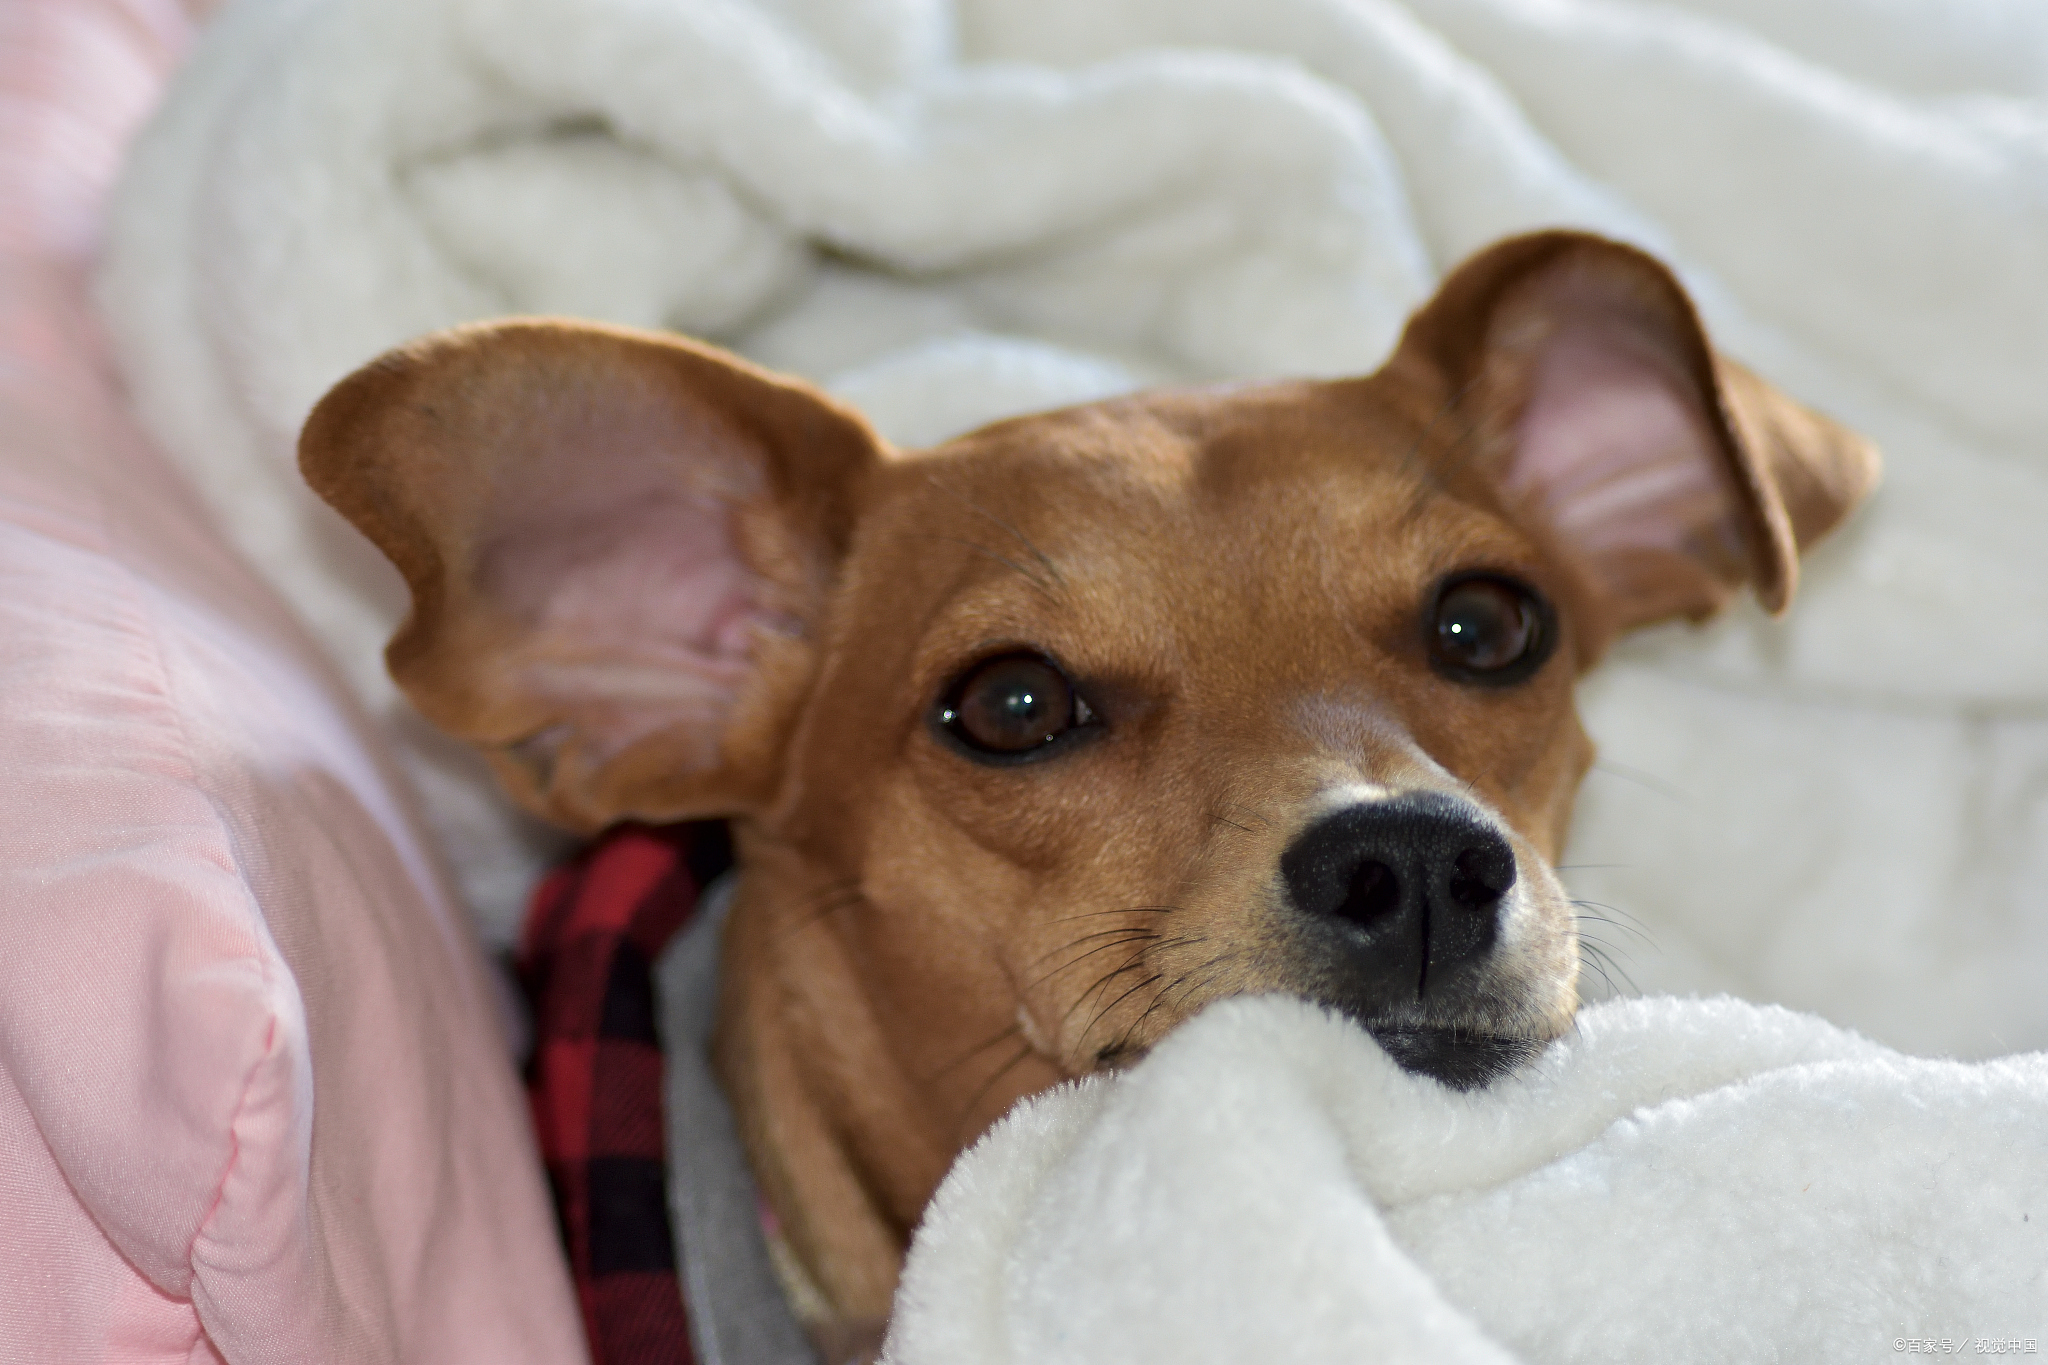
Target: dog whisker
(1583,920)
(1604,964)
(1607,950)
(1125,929)
(1158,999)
(1611,909)
(1632,926)
(967,1110)
(1133,910)
(1647,781)
(1139,936)
(1178,942)
(1131,965)
(1212,969)
(1590,937)
(973,1052)
(823,903)
(1587,963)
(1219,817)
(1104,1012)
(1251,814)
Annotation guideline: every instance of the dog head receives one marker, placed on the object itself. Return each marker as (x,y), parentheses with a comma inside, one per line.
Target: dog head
(1085,719)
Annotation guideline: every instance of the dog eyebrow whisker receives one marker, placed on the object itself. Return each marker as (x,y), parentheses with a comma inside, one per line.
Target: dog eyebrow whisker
(1429,479)
(1022,539)
(1465,448)
(1462,451)
(1004,560)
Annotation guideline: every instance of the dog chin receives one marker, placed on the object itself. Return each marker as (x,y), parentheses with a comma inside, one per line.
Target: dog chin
(1462,1059)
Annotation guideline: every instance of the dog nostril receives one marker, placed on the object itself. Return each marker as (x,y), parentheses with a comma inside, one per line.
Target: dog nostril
(1480,878)
(1374,893)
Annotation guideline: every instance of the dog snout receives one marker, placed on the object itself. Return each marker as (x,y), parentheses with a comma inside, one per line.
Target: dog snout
(1413,884)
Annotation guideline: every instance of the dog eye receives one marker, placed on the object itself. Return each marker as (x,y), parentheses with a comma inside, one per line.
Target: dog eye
(1490,630)
(1011,706)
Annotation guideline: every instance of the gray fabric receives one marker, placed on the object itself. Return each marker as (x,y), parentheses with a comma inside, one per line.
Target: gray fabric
(738,1315)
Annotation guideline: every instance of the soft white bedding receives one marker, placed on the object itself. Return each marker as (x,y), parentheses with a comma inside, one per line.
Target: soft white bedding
(950,212)
(1678,1181)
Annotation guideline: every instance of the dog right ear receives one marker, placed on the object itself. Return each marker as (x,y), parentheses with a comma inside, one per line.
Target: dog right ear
(616,543)
(1666,476)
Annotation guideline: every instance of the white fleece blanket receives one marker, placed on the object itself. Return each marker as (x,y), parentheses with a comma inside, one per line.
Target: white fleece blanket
(1679,1181)
(951,210)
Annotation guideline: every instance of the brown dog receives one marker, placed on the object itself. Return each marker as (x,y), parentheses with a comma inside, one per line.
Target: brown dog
(1036,743)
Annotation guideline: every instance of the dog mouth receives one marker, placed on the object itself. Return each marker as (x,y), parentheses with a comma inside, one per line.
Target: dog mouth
(1121,1058)
(1463,1059)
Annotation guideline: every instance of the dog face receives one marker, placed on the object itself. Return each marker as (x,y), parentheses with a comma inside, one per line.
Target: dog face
(1056,733)
(1190,695)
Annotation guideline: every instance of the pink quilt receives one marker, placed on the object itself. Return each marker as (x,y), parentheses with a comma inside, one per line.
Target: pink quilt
(254,1102)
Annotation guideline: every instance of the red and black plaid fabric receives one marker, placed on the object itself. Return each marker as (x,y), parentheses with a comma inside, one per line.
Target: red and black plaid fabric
(592,934)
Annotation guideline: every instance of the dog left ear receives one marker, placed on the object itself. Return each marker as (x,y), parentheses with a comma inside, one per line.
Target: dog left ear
(1668,476)
(616,542)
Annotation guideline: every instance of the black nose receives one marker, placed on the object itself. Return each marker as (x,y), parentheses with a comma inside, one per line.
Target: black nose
(1412,887)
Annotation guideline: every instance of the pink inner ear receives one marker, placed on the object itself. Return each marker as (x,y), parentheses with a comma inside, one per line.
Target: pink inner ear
(1615,450)
(613,553)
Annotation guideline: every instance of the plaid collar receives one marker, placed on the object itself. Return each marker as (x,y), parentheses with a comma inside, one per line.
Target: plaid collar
(619,958)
